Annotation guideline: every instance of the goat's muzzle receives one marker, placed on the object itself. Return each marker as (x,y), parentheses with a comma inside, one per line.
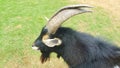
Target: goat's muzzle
(35,47)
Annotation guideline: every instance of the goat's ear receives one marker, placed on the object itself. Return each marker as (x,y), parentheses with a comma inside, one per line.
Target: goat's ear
(52,42)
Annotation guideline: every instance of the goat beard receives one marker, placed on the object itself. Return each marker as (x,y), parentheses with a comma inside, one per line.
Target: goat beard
(44,57)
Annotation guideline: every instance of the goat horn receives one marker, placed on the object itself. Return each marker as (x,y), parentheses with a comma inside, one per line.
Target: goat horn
(63,14)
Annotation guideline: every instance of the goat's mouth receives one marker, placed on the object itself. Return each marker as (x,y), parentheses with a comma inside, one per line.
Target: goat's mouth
(35,48)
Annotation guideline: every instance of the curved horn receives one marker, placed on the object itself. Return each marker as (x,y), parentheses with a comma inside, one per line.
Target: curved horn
(63,14)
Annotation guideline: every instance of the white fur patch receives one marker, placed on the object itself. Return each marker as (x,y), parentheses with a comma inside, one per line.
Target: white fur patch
(116,66)
(35,48)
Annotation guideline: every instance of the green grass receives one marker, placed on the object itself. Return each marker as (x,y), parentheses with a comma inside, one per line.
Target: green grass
(22,20)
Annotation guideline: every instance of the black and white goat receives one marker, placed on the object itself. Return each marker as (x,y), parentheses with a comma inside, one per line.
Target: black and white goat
(79,50)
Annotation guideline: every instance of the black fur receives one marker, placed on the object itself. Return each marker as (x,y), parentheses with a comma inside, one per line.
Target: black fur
(81,50)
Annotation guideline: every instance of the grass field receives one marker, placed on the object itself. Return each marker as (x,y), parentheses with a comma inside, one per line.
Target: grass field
(22,20)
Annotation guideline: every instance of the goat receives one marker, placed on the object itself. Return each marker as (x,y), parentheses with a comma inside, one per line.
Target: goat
(79,50)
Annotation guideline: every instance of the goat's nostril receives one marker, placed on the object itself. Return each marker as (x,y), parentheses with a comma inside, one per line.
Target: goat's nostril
(33,45)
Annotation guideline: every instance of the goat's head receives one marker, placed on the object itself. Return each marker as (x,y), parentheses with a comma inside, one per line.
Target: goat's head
(47,42)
